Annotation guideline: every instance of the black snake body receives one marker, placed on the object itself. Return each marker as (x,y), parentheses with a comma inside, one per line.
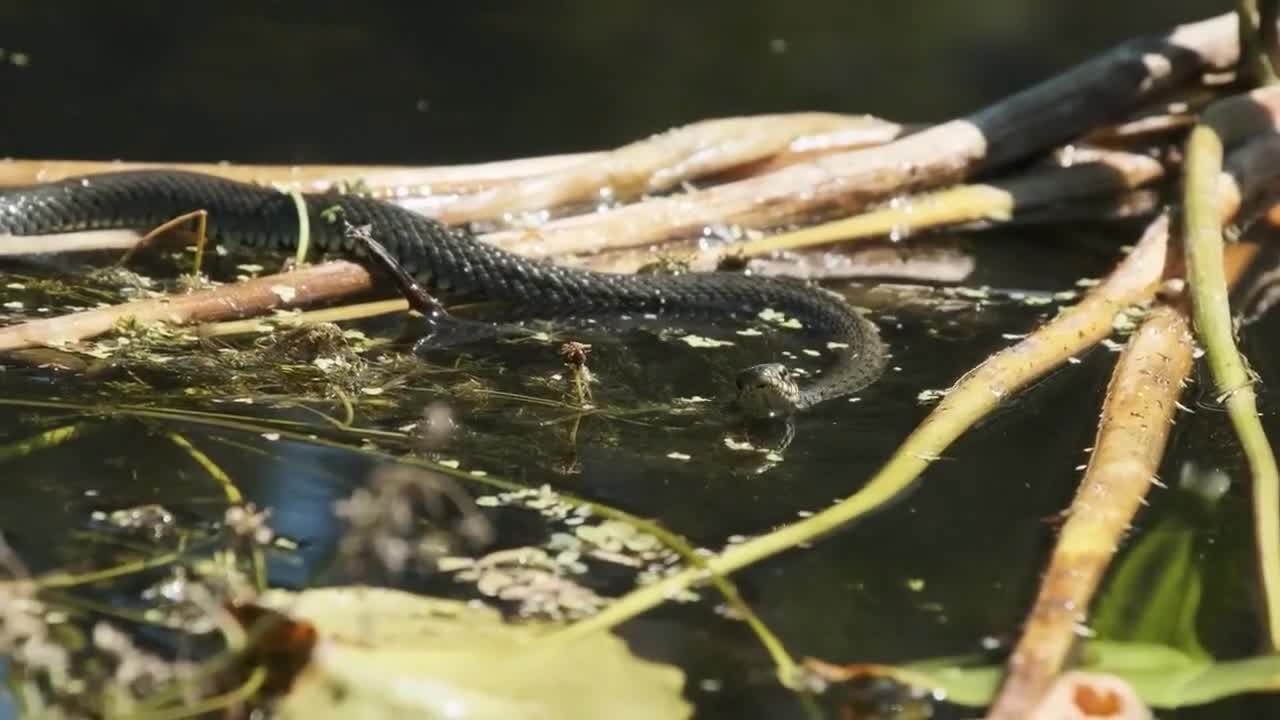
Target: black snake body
(452,260)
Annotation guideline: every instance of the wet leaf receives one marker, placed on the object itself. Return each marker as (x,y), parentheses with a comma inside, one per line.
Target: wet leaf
(1163,676)
(385,653)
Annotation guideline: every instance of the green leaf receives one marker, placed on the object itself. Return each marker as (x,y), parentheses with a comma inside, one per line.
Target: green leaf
(1164,677)
(390,654)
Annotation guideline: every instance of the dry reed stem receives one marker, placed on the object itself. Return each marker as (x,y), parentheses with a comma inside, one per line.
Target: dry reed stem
(667,160)
(300,287)
(380,179)
(1055,111)
(1136,418)
(1131,437)
(465,193)
(1091,173)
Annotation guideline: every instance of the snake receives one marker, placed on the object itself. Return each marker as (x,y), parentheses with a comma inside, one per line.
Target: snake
(453,260)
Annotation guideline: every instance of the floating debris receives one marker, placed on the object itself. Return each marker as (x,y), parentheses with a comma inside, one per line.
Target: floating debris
(699,341)
(152,521)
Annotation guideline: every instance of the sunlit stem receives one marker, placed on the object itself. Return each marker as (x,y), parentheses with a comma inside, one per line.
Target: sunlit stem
(202,227)
(51,438)
(1202,228)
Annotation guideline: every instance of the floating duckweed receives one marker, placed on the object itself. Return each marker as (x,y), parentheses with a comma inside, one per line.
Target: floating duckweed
(674,455)
(699,341)
(1112,345)
(532,578)
(780,319)
(1124,321)
(930,395)
(560,541)
(154,521)
(749,332)
(915,584)
(811,353)
(641,543)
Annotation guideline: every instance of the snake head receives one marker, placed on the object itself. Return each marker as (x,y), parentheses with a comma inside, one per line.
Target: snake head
(767,391)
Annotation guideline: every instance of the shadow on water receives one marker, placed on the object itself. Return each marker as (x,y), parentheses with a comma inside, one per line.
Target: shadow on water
(953,563)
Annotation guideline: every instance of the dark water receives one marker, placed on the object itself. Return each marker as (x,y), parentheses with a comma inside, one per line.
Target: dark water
(954,562)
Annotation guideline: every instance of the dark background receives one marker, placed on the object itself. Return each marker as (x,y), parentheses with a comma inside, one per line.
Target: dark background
(437,82)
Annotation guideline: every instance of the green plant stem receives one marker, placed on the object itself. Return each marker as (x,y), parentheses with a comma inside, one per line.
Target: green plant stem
(217,473)
(1256,41)
(1269,34)
(304,227)
(45,440)
(241,694)
(1202,229)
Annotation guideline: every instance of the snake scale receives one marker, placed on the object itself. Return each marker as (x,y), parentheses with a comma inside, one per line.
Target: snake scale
(453,260)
